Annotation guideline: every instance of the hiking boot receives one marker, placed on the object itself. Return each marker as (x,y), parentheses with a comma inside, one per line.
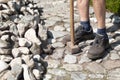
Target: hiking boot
(98,47)
(80,35)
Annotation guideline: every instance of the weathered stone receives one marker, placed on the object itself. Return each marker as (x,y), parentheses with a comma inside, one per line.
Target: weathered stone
(53,63)
(70,59)
(35,49)
(78,76)
(57,34)
(58,45)
(58,53)
(111,64)
(51,41)
(16,70)
(96,76)
(24,50)
(117,48)
(58,72)
(114,56)
(59,28)
(16,61)
(36,73)
(72,67)
(95,68)
(4,44)
(31,36)
(16,52)
(3,66)
(5,51)
(6,58)
(37,58)
(84,59)
(114,74)
(47,77)
(27,74)
(4,1)
(24,42)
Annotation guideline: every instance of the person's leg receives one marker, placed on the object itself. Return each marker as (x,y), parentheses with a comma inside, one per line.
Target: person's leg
(100,10)
(83,7)
(101,42)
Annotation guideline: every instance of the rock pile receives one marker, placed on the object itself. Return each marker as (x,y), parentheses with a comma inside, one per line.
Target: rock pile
(21,38)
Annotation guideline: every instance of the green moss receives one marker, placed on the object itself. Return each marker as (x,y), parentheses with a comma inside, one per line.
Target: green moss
(112,6)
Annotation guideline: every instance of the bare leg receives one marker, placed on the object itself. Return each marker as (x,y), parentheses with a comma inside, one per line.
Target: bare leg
(83,6)
(99,8)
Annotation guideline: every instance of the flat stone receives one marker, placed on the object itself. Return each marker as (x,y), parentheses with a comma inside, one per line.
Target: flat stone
(58,53)
(78,76)
(48,77)
(59,28)
(57,34)
(111,64)
(58,45)
(53,63)
(72,67)
(114,56)
(95,68)
(96,76)
(70,59)
(84,59)
(3,66)
(117,48)
(57,72)
(36,73)
(114,74)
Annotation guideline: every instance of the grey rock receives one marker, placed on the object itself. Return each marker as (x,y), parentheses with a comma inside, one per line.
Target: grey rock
(4,44)
(30,34)
(53,63)
(48,77)
(57,34)
(4,1)
(3,66)
(42,32)
(84,59)
(111,64)
(59,28)
(24,42)
(58,45)
(96,76)
(72,67)
(117,48)
(27,73)
(58,53)
(70,59)
(37,58)
(114,74)
(36,74)
(78,76)
(58,72)
(95,68)
(16,70)
(16,61)
(35,48)
(6,58)
(24,50)
(114,56)
(5,51)
(16,52)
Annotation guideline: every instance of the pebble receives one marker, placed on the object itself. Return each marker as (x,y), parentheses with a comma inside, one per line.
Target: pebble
(3,66)
(58,45)
(72,67)
(53,63)
(59,28)
(78,76)
(36,74)
(70,59)
(114,56)
(24,50)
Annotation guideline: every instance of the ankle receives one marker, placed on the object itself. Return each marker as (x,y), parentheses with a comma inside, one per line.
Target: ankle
(86,25)
(102,32)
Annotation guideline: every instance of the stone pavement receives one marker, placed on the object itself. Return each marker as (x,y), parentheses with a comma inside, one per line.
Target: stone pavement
(28,29)
(64,66)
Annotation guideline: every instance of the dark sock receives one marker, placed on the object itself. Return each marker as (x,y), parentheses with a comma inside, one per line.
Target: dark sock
(86,25)
(102,32)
